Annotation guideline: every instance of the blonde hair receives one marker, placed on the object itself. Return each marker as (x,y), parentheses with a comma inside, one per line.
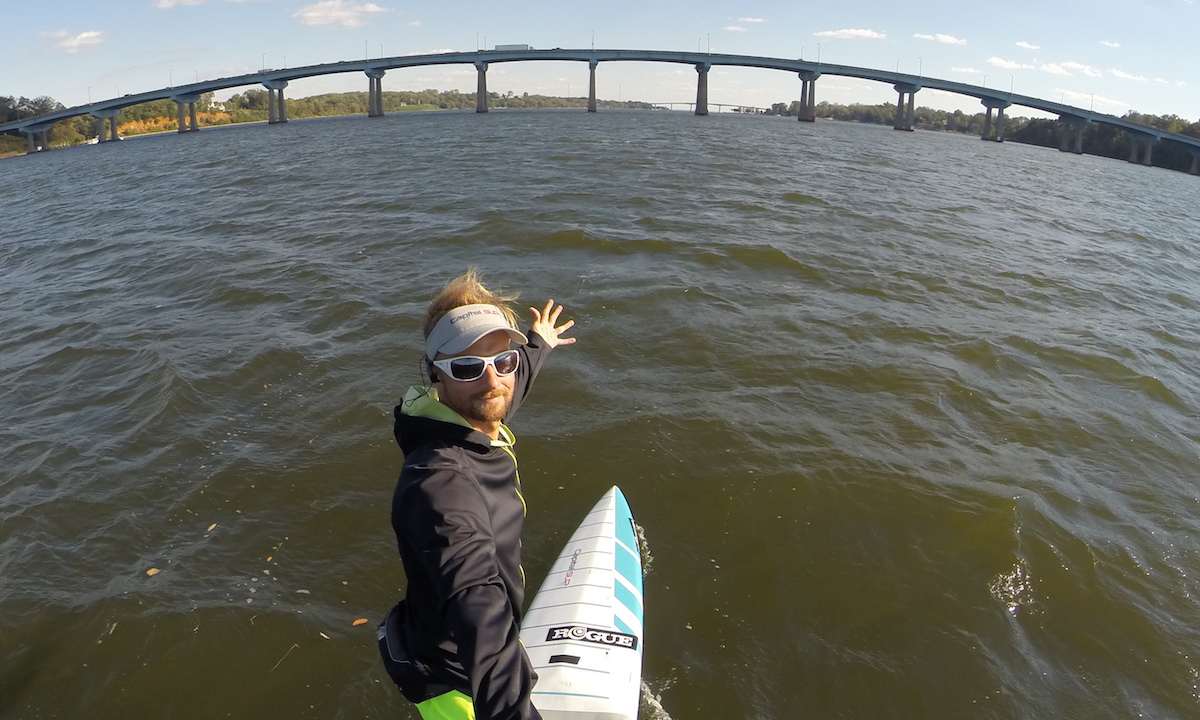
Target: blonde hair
(466,289)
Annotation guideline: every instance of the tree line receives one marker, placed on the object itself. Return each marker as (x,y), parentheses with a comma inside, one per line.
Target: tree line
(251,106)
(13,108)
(1098,138)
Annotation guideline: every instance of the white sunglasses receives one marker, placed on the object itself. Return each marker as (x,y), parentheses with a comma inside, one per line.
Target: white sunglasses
(466,368)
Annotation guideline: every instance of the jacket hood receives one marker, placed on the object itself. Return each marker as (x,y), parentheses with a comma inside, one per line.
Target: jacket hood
(421,417)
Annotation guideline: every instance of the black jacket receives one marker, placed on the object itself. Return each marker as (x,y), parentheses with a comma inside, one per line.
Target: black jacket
(458,513)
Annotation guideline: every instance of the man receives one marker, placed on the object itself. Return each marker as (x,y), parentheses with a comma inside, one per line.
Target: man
(453,644)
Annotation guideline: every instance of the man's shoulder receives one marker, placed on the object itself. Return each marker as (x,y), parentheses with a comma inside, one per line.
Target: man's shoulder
(440,484)
(435,461)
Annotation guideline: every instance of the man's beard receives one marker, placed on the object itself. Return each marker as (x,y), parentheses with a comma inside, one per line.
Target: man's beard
(480,409)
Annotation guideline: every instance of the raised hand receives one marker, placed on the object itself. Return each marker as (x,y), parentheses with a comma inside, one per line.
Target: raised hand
(544,324)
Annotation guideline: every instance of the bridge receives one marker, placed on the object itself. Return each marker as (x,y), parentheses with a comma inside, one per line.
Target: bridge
(1073,119)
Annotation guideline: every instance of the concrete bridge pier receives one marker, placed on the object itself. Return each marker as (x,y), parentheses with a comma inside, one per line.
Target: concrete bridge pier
(592,85)
(702,88)
(1136,141)
(481,104)
(808,96)
(190,112)
(375,93)
(179,119)
(276,105)
(1071,136)
(1195,162)
(995,132)
(38,138)
(111,117)
(905,111)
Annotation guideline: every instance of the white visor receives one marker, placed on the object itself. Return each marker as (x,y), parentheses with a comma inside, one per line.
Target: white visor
(462,327)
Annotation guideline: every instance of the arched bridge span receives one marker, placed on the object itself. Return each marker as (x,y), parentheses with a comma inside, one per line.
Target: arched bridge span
(906,85)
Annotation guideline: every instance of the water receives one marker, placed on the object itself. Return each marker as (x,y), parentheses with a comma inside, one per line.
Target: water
(909,419)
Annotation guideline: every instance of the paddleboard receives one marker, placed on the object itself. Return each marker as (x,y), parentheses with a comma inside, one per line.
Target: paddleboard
(583,631)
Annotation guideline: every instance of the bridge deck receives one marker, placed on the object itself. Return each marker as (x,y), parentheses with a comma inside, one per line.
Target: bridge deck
(911,82)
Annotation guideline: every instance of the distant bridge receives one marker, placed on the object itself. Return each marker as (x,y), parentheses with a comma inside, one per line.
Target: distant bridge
(1073,119)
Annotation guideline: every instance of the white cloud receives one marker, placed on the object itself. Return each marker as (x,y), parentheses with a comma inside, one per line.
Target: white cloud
(1126,76)
(735,28)
(945,39)
(71,44)
(1083,69)
(1109,43)
(967,70)
(1088,100)
(336,12)
(1161,81)
(750,20)
(415,23)
(1070,68)
(1028,46)
(1008,64)
(851,33)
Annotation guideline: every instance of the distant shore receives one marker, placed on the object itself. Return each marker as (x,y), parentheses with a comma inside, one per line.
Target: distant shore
(161,116)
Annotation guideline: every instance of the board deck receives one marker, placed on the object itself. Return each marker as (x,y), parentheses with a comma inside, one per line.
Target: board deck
(583,631)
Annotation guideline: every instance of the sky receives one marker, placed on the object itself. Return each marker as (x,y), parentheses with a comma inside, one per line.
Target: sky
(1107,56)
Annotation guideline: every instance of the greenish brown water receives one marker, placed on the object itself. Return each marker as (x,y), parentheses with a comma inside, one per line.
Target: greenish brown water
(909,419)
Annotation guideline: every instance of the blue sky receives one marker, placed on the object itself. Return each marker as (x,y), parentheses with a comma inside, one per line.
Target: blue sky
(1110,56)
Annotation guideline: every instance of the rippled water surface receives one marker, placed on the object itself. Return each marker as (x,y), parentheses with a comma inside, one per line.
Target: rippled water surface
(910,419)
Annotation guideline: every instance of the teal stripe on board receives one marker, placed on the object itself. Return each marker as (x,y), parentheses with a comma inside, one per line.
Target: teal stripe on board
(623,626)
(628,599)
(629,567)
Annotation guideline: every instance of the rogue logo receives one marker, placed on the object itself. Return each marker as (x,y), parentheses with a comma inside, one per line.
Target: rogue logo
(592,635)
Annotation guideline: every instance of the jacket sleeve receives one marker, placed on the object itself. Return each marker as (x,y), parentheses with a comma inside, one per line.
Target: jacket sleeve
(532,357)
(447,521)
